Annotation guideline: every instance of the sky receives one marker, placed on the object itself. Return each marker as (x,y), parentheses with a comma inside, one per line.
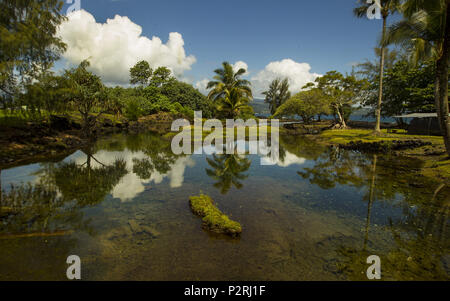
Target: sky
(297,39)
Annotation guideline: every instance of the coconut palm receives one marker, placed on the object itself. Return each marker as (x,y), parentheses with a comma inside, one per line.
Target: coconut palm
(232,103)
(387,8)
(226,79)
(424,32)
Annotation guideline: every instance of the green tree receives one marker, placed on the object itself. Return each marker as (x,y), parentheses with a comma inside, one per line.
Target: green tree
(226,80)
(141,73)
(425,33)
(161,77)
(28,41)
(305,104)
(388,7)
(49,93)
(277,94)
(87,93)
(342,92)
(186,95)
(232,103)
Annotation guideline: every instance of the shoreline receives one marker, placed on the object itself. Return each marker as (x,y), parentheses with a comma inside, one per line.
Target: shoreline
(37,142)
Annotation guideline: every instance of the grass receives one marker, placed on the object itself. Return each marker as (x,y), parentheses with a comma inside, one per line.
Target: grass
(353,135)
(213,219)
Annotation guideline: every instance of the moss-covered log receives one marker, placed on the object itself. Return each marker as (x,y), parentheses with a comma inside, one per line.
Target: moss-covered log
(213,219)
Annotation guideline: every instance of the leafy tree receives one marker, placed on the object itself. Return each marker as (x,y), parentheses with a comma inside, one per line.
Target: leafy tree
(226,80)
(425,33)
(407,89)
(49,93)
(305,104)
(277,94)
(28,41)
(388,7)
(342,92)
(161,76)
(189,97)
(87,93)
(141,73)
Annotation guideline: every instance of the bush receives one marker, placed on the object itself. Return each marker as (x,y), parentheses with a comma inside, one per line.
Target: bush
(135,107)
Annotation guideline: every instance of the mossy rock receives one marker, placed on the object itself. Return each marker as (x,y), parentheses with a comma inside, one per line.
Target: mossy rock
(213,219)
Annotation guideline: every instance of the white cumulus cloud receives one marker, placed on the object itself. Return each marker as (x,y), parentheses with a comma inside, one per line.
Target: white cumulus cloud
(298,74)
(201,86)
(240,65)
(115,46)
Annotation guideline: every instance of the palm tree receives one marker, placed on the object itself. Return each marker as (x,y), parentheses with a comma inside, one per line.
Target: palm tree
(228,170)
(277,94)
(226,79)
(387,8)
(232,103)
(424,32)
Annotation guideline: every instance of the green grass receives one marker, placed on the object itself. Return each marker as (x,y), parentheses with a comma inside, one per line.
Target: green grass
(353,135)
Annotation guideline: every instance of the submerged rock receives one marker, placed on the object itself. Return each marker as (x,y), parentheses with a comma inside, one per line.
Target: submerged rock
(213,219)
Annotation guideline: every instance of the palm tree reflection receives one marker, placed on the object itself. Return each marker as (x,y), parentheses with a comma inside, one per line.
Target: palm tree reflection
(228,170)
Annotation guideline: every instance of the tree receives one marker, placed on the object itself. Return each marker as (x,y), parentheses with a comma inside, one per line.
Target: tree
(186,95)
(141,73)
(87,93)
(388,7)
(161,76)
(49,93)
(425,33)
(305,104)
(407,88)
(277,94)
(342,92)
(232,103)
(225,80)
(28,41)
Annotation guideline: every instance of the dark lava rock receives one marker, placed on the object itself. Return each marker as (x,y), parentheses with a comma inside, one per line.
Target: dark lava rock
(384,146)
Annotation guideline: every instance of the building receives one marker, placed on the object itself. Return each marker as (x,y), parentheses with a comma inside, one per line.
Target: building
(423,124)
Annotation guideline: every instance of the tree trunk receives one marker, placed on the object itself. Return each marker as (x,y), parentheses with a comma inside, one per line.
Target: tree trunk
(371,199)
(380,91)
(341,118)
(441,92)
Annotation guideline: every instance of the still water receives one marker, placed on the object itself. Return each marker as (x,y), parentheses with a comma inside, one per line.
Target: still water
(317,213)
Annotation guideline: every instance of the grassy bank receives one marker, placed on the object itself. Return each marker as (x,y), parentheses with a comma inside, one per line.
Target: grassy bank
(434,156)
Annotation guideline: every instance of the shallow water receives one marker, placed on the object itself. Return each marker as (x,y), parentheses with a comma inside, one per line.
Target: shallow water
(316,214)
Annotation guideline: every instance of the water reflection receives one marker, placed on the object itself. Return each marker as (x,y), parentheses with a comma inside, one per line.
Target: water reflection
(420,233)
(228,170)
(317,211)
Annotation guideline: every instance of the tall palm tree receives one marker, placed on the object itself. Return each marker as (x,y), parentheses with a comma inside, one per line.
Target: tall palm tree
(232,103)
(227,79)
(277,94)
(387,8)
(424,32)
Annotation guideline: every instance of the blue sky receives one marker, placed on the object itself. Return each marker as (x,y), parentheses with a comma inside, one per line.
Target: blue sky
(324,34)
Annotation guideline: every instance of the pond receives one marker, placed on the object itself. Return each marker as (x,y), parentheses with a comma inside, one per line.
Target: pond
(122,206)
